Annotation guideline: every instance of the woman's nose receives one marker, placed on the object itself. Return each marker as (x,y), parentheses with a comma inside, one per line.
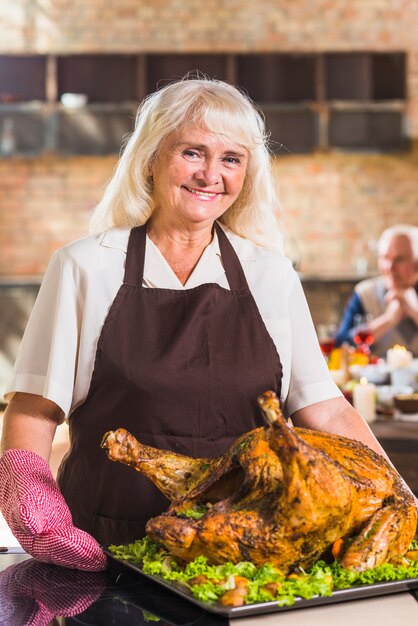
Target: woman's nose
(209,172)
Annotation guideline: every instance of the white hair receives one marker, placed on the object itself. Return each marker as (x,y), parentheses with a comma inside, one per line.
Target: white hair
(220,108)
(399,230)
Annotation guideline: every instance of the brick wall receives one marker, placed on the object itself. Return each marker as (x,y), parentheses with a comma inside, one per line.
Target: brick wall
(334,203)
(216,25)
(336,206)
(44,204)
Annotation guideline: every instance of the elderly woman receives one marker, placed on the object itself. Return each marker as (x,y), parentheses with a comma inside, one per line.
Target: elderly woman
(169,322)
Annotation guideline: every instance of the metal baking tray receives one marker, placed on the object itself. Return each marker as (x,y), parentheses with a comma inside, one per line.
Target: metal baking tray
(341,595)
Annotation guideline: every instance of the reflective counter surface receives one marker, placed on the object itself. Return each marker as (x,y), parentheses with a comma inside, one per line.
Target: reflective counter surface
(35,594)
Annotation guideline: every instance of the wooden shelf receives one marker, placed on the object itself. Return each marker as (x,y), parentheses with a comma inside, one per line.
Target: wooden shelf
(42,127)
(365,76)
(102,78)
(22,78)
(277,78)
(352,101)
(162,68)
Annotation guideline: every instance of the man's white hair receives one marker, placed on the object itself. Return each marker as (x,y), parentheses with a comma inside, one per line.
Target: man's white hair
(397,230)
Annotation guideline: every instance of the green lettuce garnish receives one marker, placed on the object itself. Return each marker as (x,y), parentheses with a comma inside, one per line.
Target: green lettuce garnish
(319,580)
(196,513)
(149,617)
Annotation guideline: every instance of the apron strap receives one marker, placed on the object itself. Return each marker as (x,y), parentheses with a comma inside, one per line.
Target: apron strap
(135,256)
(135,259)
(233,269)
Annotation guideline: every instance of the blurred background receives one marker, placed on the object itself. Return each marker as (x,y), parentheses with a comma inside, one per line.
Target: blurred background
(337,81)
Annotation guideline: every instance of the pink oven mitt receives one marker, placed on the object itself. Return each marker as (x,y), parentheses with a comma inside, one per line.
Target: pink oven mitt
(39,517)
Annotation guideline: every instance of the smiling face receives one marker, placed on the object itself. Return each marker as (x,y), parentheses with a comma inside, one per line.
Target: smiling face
(197,176)
(396,263)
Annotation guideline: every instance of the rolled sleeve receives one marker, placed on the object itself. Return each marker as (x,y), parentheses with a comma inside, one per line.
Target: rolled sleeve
(40,386)
(310,394)
(46,362)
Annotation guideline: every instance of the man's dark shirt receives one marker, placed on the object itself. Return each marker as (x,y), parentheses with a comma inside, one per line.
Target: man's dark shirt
(346,329)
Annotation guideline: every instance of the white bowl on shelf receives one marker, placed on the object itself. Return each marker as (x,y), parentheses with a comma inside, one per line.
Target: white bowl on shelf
(377,374)
(74,100)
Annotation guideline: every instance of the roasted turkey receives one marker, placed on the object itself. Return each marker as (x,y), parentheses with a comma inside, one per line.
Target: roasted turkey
(280,495)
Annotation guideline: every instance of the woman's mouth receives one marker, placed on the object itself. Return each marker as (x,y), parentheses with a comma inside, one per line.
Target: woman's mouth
(202,195)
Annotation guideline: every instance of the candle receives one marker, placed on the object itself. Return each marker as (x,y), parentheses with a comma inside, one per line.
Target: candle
(364,399)
(398,356)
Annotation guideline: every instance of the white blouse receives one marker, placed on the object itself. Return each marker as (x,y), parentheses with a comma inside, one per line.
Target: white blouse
(57,352)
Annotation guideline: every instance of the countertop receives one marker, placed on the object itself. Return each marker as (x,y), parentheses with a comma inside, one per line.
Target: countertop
(32,593)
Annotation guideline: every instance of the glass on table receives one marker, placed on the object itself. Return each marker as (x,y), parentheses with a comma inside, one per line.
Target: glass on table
(363,335)
(327,334)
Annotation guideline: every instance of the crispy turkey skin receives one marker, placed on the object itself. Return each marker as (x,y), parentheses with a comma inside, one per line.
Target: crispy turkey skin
(280,495)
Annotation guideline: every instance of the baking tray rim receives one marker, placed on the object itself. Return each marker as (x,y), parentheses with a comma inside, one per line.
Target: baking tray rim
(259,608)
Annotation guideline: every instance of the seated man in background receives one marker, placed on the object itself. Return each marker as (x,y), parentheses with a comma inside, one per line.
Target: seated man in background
(390,301)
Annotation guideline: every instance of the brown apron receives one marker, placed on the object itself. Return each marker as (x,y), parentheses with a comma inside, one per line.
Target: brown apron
(181,370)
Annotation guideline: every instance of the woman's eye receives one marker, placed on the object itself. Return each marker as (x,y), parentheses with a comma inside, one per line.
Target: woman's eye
(191,155)
(232,160)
